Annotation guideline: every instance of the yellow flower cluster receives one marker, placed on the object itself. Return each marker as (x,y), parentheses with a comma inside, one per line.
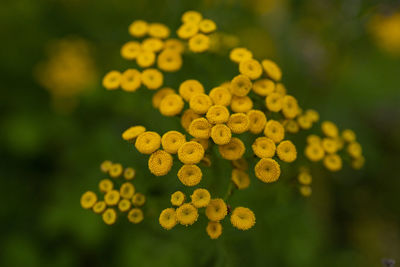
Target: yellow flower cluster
(385,30)
(118,196)
(304,178)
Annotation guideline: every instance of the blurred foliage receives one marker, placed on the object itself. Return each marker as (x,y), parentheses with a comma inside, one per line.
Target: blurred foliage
(331,62)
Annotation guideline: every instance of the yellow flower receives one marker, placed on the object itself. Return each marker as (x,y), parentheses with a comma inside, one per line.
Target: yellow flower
(112,197)
(243,218)
(199,43)
(241,104)
(263,87)
(304,178)
(177,198)
(192,16)
(158,30)
(109,216)
(99,207)
(200,103)
(358,163)
(291,126)
(329,129)
(130,50)
(105,166)
(189,88)
(312,115)
(274,130)
(207,26)
(190,175)
(106,185)
(171,105)
(171,141)
(124,205)
(257,121)
(200,128)
(206,161)
(187,117)
(240,179)
(159,96)
(273,102)
(216,210)
(221,96)
(152,78)
(329,145)
(160,163)
(305,190)
(313,139)
(348,136)
(217,114)
(138,199)
(264,147)
(112,80)
(354,149)
(333,162)
(115,170)
(152,44)
(146,58)
(190,153)
(272,69)
(174,45)
(200,198)
(234,150)
(304,122)
(286,151)
(203,142)
(221,134)
(167,218)
(239,123)
(240,85)
(239,54)
(240,164)
(280,89)
(88,199)
(214,229)
(267,170)
(133,132)
(251,68)
(290,107)
(186,214)
(135,215)
(138,28)
(187,30)
(314,152)
(148,142)
(169,61)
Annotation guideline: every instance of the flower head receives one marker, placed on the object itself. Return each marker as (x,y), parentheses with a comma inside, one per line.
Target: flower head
(167,218)
(190,175)
(148,142)
(267,170)
(160,163)
(243,218)
(177,198)
(216,210)
(234,150)
(214,229)
(200,198)
(187,214)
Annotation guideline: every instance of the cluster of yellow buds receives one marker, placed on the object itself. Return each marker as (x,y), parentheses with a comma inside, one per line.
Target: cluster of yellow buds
(305,180)
(118,196)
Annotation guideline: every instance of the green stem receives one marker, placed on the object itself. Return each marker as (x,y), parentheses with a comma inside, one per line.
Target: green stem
(229,192)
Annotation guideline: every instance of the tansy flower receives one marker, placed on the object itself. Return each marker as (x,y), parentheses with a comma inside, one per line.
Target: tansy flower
(112,80)
(127,190)
(221,134)
(240,54)
(199,43)
(115,170)
(133,132)
(186,214)
(135,215)
(169,61)
(160,163)
(264,147)
(290,107)
(240,85)
(313,139)
(239,123)
(272,69)
(243,218)
(159,96)
(158,30)
(152,44)
(124,205)
(314,152)
(200,128)
(304,122)
(192,16)
(189,88)
(216,210)
(105,166)
(152,78)
(106,185)
(88,199)
(305,190)
(200,198)
(138,199)
(177,198)
(280,89)
(146,58)
(257,121)
(206,161)
(171,141)
(190,153)
(241,104)
(190,175)
(171,105)
(187,30)
(348,135)
(217,114)
(291,126)
(99,207)
(148,142)
(221,96)
(167,218)
(109,216)
(354,149)
(304,178)
(263,87)
(130,50)
(333,162)
(286,151)
(274,130)
(251,68)
(138,28)
(358,163)
(207,26)
(329,129)
(214,229)
(267,170)
(203,142)
(233,150)
(200,103)
(273,102)
(312,115)
(112,197)
(187,117)
(329,145)
(240,179)
(240,164)
(174,45)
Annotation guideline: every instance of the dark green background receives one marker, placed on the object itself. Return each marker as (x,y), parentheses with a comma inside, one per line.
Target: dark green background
(48,159)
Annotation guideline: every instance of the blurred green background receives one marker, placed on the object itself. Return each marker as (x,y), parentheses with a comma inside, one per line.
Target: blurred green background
(336,58)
